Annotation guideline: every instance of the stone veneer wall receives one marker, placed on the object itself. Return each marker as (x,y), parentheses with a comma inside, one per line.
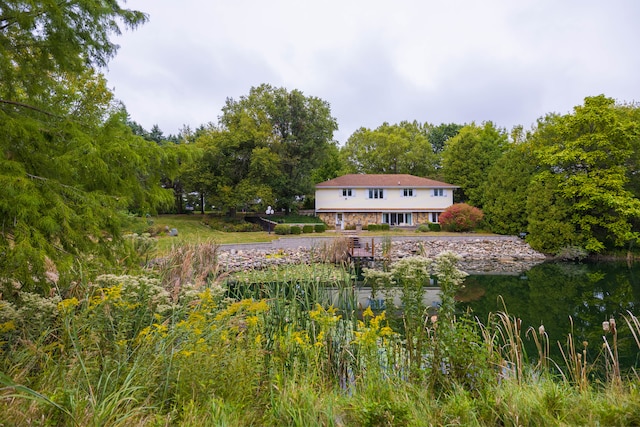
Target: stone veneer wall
(362,218)
(420,218)
(366,218)
(351,218)
(328,218)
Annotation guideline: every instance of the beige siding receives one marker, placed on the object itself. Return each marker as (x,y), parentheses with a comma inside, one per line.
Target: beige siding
(332,199)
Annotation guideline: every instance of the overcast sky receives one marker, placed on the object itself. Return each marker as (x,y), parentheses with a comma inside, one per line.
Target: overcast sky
(459,61)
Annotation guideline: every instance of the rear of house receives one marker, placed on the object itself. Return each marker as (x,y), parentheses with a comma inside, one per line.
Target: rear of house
(395,199)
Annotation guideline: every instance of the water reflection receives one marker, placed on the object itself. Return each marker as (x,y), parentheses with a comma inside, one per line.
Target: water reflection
(553,293)
(363,297)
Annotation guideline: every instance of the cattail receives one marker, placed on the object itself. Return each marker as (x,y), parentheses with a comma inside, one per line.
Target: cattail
(605,326)
(541,329)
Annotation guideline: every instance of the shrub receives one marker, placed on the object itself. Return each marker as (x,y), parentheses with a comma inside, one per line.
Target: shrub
(460,217)
(319,228)
(282,229)
(423,228)
(295,229)
(378,227)
(307,228)
(230,224)
(434,226)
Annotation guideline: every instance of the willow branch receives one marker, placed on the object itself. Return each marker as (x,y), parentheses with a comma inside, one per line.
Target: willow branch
(23,105)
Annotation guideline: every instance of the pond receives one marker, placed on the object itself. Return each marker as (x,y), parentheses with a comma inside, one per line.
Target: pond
(563,297)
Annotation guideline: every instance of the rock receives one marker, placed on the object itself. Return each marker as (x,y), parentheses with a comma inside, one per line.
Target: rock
(501,255)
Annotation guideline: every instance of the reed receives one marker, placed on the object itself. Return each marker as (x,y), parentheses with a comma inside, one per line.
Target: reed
(612,360)
(503,338)
(335,252)
(576,361)
(193,264)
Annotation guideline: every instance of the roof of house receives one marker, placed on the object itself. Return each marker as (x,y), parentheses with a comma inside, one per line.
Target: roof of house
(383,180)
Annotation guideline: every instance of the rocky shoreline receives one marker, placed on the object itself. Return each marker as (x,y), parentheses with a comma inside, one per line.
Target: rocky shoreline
(478,255)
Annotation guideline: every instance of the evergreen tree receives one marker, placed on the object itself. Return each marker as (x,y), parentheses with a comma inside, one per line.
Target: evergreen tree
(69,161)
(508,180)
(468,157)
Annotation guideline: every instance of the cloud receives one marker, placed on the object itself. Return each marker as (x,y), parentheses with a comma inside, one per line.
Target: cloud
(376,61)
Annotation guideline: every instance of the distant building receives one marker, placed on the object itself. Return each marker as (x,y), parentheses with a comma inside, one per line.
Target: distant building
(394,199)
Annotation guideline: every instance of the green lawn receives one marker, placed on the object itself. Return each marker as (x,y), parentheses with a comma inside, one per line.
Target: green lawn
(192,229)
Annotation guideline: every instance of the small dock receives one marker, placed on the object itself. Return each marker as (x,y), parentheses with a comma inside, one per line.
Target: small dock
(360,251)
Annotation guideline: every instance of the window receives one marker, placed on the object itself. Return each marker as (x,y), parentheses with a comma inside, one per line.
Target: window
(438,192)
(347,192)
(397,218)
(376,193)
(408,192)
(435,217)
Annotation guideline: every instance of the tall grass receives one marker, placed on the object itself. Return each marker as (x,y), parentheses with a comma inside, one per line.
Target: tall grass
(179,348)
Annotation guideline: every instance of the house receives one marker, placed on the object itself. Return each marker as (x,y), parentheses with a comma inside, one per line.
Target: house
(397,200)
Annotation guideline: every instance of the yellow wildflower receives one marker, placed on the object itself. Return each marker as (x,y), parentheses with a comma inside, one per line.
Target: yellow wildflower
(67,305)
(367,313)
(7,326)
(252,321)
(259,306)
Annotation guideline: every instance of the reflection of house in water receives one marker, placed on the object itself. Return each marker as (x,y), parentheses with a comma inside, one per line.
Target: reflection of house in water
(363,298)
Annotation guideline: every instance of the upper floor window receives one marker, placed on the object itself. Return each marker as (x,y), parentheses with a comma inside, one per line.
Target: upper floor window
(408,192)
(376,193)
(438,192)
(347,192)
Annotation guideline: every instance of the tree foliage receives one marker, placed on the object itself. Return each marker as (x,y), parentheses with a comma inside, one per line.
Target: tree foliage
(584,159)
(69,161)
(468,157)
(41,39)
(390,149)
(505,205)
(439,135)
(268,148)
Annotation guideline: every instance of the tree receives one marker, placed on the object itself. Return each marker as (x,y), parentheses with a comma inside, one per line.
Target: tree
(390,149)
(61,186)
(584,159)
(468,157)
(69,159)
(548,216)
(155,134)
(439,135)
(40,40)
(508,180)
(297,129)
(229,170)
